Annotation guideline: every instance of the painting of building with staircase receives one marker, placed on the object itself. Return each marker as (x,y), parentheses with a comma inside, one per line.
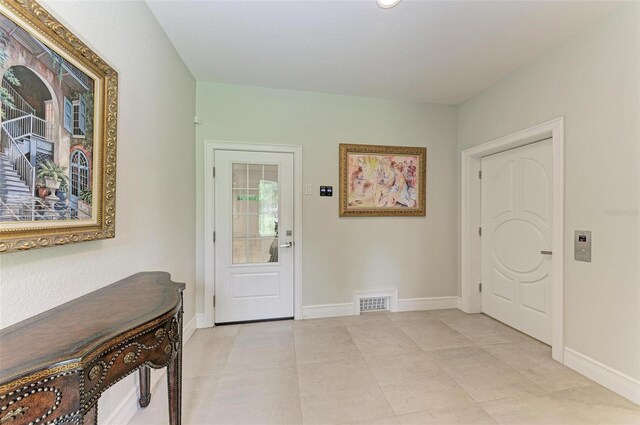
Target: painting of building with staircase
(46,131)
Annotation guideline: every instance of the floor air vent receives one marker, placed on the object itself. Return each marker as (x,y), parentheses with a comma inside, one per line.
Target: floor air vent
(374,304)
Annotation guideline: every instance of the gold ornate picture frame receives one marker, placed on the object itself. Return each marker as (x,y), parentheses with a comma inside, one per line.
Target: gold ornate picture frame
(58,130)
(382,181)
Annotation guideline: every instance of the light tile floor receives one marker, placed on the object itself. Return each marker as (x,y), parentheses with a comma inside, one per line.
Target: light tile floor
(435,367)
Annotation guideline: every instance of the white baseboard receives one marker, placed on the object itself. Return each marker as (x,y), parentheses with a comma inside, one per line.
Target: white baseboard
(327,310)
(129,406)
(459,304)
(604,375)
(429,303)
(125,410)
(188,330)
(407,304)
(200,322)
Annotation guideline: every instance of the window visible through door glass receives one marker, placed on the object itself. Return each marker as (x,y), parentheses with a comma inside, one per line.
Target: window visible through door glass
(255,213)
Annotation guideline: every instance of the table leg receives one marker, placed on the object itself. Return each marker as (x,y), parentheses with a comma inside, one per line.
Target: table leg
(174,380)
(91,417)
(145,386)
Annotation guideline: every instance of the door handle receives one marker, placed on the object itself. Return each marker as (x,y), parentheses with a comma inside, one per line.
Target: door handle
(287,245)
(546,252)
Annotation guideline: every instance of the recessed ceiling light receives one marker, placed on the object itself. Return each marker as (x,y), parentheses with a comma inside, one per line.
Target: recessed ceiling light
(387,4)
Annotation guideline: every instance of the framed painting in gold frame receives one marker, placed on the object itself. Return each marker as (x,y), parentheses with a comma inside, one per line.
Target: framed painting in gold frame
(58,127)
(382,181)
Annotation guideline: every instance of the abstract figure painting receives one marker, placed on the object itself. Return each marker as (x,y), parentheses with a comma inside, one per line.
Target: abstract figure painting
(382,180)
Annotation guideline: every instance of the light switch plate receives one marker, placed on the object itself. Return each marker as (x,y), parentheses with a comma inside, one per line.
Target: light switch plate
(582,245)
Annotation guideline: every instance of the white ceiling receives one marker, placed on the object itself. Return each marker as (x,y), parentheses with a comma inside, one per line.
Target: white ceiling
(441,52)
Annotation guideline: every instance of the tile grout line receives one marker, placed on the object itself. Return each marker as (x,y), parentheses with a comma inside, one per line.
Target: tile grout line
(480,403)
(465,391)
(500,360)
(481,347)
(295,357)
(423,351)
(374,377)
(224,367)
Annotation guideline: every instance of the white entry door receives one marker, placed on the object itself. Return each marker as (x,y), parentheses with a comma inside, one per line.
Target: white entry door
(254,236)
(516,238)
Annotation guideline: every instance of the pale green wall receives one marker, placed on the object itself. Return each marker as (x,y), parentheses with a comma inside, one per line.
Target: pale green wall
(594,82)
(416,254)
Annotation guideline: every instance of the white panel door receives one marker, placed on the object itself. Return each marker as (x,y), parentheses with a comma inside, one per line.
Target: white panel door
(254,236)
(516,238)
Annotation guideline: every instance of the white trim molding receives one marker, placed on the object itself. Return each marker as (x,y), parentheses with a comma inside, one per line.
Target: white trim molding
(200,322)
(353,308)
(430,303)
(210,146)
(188,330)
(604,375)
(327,310)
(129,404)
(125,410)
(471,219)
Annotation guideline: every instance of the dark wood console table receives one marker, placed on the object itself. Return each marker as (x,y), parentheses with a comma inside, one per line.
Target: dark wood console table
(55,366)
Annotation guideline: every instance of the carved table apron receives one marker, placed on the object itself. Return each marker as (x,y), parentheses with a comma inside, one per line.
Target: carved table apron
(55,366)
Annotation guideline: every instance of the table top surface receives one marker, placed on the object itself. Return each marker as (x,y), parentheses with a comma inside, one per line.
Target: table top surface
(74,330)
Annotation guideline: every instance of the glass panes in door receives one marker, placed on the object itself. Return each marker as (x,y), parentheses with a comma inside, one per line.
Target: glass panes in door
(255,213)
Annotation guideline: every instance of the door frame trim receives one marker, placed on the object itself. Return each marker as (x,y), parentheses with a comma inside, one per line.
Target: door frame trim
(471,220)
(210,146)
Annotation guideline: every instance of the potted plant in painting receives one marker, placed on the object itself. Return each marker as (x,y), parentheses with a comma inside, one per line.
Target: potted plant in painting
(41,189)
(61,193)
(53,175)
(84,202)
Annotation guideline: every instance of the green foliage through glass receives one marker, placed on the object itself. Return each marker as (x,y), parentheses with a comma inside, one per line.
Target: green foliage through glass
(268,208)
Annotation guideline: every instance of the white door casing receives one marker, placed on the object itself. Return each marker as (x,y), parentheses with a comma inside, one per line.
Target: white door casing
(471,220)
(517,224)
(254,259)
